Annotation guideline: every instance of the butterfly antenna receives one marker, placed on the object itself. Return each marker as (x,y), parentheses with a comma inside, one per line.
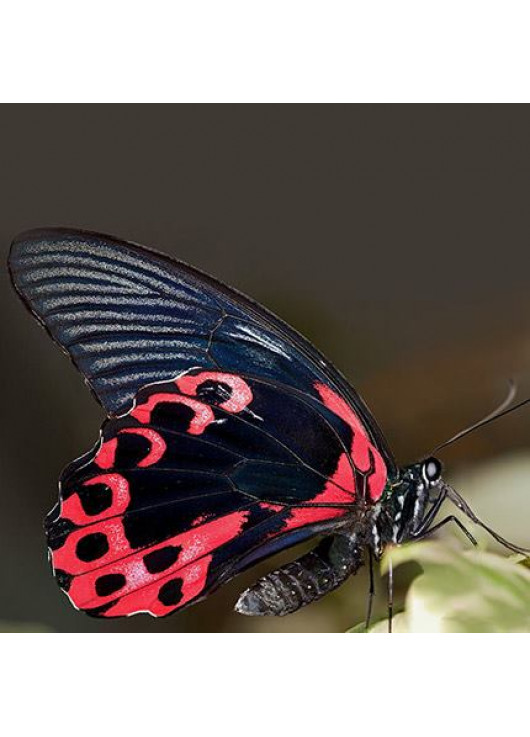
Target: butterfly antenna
(464,507)
(503,409)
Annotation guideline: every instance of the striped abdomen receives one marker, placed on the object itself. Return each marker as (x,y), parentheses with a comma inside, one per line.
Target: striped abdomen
(303,581)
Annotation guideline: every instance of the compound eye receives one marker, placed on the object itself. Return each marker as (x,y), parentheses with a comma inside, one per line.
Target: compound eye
(432,470)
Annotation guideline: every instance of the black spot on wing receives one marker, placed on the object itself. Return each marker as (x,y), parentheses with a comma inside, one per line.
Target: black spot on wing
(171,592)
(162,559)
(95,498)
(174,415)
(92,546)
(110,583)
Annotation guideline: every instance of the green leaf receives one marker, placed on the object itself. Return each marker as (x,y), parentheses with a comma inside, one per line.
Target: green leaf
(461,591)
(524,561)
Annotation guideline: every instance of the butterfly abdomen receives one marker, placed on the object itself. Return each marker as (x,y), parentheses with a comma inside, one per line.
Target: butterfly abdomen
(303,581)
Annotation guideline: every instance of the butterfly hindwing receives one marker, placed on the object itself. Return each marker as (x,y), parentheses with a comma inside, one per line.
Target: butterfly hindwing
(192,486)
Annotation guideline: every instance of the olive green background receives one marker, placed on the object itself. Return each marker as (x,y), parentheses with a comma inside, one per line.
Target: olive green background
(396,237)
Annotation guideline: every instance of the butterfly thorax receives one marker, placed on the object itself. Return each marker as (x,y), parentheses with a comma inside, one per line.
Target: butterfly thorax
(406,505)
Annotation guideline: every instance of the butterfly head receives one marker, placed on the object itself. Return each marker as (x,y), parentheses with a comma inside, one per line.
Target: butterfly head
(414,501)
(413,497)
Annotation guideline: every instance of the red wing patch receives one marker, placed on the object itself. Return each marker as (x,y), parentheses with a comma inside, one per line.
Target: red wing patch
(363,453)
(240,392)
(73,510)
(159,579)
(202,414)
(106,455)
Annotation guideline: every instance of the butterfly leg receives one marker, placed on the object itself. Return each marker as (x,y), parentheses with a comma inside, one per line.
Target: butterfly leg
(371,590)
(305,580)
(390,599)
(441,524)
(429,517)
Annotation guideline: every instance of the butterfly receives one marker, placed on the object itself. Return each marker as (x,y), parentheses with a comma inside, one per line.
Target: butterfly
(228,438)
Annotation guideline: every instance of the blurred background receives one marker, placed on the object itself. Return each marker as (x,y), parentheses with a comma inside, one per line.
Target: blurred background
(395,237)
